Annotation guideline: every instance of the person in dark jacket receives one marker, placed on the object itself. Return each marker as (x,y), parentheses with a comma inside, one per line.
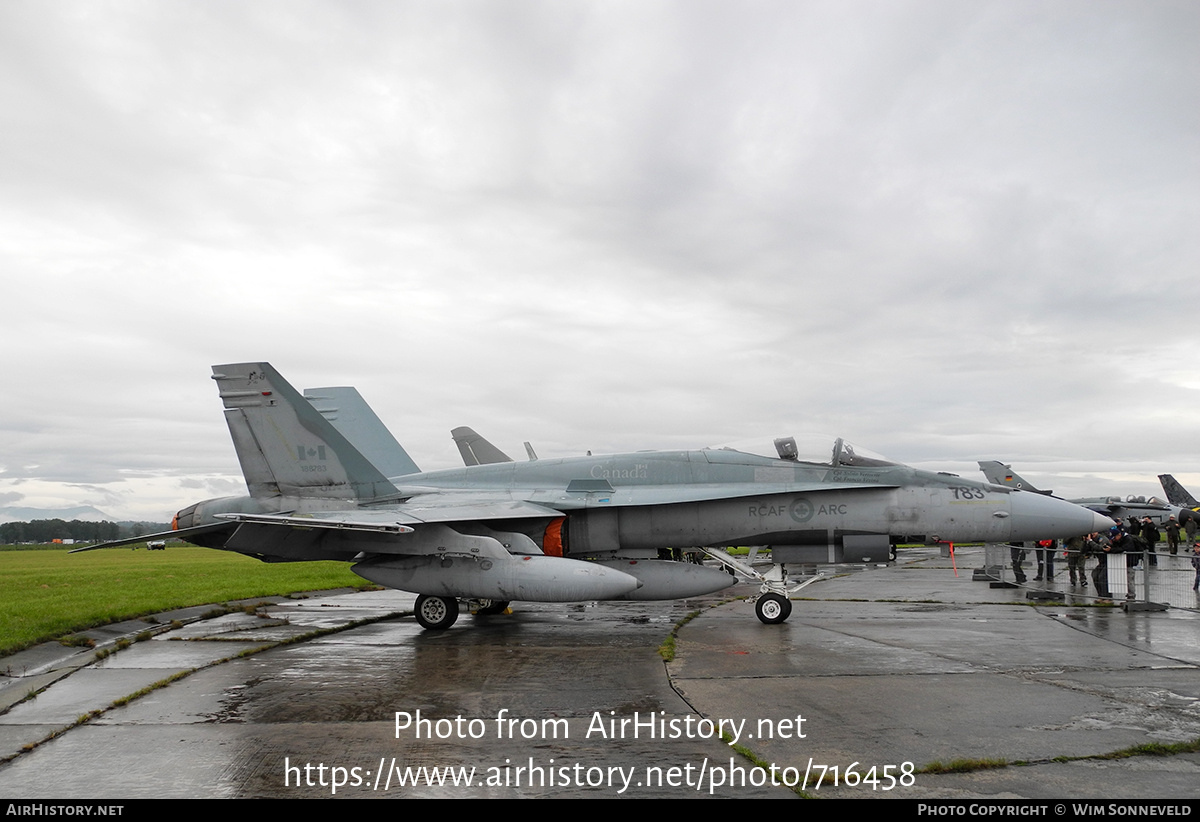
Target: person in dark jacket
(1017,555)
(1172,529)
(1151,535)
(1100,572)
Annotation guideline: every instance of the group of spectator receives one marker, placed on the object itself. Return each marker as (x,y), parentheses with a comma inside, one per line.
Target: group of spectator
(1140,538)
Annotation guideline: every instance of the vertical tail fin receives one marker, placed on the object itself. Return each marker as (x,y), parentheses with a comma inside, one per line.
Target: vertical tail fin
(349,413)
(475,449)
(998,473)
(285,446)
(1176,493)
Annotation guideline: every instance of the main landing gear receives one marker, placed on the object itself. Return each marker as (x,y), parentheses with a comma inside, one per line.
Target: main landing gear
(772,606)
(436,613)
(772,609)
(439,613)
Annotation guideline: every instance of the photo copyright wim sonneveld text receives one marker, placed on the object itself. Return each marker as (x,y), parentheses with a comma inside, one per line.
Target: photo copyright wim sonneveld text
(601,726)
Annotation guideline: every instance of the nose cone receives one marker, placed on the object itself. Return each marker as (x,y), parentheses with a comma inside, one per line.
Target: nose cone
(1037,516)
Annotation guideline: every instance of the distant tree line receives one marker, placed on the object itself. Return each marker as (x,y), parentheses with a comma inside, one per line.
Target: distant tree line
(48,530)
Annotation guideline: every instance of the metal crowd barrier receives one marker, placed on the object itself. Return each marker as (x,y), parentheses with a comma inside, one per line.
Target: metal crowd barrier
(1131,577)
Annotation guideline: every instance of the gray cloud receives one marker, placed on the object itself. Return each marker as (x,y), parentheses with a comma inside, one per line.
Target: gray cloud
(950,231)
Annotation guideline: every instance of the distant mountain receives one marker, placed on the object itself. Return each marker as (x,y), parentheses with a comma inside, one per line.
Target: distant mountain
(85,513)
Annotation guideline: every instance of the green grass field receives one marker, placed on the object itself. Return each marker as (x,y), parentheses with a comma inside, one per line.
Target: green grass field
(48,593)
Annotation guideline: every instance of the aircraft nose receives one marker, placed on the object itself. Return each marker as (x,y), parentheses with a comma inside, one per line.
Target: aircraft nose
(1037,516)
(1101,523)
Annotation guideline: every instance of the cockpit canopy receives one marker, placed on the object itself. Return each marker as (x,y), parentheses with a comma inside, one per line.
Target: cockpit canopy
(812,448)
(1133,498)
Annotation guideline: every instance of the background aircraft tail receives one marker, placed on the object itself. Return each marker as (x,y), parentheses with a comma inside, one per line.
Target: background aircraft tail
(998,473)
(1176,493)
(475,449)
(349,413)
(285,446)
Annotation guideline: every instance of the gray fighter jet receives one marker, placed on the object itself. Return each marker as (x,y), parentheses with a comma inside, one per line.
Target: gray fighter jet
(1131,506)
(579,528)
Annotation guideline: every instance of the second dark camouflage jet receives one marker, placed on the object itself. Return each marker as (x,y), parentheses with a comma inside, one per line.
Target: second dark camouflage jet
(1178,495)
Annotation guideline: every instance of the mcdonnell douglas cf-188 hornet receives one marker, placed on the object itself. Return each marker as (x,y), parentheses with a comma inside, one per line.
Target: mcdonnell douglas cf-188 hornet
(578,528)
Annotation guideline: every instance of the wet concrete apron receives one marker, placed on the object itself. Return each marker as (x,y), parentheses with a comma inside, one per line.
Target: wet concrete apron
(966,674)
(908,664)
(263,726)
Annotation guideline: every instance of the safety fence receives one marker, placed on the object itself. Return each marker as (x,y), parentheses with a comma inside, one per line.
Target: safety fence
(1150,577)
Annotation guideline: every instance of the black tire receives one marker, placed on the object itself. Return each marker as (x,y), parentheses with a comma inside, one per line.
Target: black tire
(772,609)
(436,613)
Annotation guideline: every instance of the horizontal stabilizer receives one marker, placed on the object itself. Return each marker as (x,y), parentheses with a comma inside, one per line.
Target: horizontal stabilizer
(182,533)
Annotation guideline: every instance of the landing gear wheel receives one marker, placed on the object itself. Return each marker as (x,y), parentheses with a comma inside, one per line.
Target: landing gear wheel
(773,609)
(436,613)
(491,607)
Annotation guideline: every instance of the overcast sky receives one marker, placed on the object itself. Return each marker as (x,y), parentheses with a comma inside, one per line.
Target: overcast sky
(945,230)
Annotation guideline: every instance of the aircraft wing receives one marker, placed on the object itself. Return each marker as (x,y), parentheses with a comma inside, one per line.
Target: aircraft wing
(420,528)
(340,522)
(183,534)
(398,518)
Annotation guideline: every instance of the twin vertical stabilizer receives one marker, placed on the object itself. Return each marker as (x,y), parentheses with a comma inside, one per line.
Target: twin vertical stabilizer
(348,411)
(285,446)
